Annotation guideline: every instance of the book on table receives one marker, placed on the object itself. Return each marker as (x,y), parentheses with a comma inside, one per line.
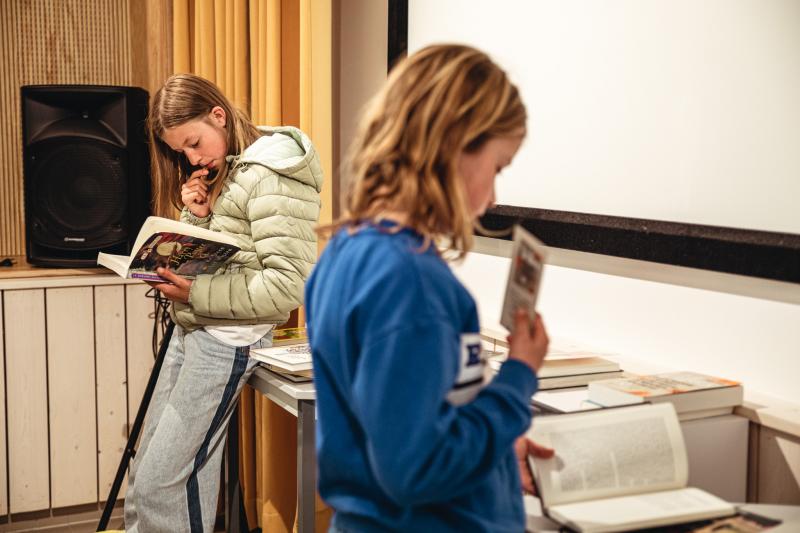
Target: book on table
(567,366)
(555,379)
(563,400)
(293,358)
(689,392)
(283,336)
(577,380)
(564,366)
(185,249)
(299,376)
(618,470)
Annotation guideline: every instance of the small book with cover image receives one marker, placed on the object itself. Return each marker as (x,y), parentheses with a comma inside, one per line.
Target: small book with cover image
(687,391)
(619,470)
(287,336)
(185,249)
(528,256)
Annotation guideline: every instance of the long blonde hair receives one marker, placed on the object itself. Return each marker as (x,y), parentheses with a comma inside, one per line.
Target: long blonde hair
(437,103)
(182,98)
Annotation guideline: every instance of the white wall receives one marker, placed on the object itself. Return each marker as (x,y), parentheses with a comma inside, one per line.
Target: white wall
(673,110)
(363,51)
(737,337)
(667,109)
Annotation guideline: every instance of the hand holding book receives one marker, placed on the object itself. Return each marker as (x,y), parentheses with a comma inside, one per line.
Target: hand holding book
(528,340)
(525,449)
(174,287)
(528,343)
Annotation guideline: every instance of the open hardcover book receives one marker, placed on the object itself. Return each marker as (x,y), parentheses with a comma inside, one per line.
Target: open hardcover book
(187,250)
(618,470)
(528,256)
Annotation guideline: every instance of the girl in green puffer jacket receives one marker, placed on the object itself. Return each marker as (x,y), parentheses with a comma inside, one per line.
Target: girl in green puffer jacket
(262,186)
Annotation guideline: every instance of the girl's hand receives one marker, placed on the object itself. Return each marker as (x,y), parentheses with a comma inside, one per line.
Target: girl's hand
(529,341)
(523,447)
(194,194)
(175,288)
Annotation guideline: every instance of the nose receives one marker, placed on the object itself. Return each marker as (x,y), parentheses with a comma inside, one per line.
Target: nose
(193,157)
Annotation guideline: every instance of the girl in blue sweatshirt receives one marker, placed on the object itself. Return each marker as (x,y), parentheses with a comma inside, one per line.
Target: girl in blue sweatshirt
(409,437)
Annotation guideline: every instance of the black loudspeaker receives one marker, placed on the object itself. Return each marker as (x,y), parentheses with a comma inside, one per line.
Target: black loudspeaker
(86,171)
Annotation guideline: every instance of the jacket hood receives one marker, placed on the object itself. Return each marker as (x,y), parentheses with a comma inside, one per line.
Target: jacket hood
(287,151)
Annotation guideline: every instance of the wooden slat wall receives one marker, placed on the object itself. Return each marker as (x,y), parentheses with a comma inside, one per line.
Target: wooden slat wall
(44,42)
(108,42)
(12,234)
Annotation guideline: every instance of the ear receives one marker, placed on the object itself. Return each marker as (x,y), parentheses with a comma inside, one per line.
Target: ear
(217,116)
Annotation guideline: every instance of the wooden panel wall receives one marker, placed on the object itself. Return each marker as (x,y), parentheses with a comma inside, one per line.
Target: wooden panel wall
(26,407)
(3,464)
(108,42)
(139,345)
(71,386)
(112,391)
(69,356)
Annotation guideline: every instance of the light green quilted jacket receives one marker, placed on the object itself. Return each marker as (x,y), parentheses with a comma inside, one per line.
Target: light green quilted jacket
(271,203)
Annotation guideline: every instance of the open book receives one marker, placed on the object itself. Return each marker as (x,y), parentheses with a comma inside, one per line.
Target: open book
(618,470)
(187,250)
(528,256)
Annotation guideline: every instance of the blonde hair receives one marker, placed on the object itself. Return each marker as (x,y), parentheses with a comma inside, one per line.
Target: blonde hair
(183,98)
(437,103)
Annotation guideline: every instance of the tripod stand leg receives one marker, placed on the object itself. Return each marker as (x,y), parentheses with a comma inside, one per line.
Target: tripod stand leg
(129,452)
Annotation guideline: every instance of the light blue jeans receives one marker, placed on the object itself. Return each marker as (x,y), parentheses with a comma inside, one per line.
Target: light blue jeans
(174,480)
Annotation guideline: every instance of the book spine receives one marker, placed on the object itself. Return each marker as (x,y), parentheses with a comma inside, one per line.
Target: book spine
(146,276)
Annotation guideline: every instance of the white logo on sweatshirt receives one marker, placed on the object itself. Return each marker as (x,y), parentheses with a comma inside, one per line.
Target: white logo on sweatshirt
(471,366)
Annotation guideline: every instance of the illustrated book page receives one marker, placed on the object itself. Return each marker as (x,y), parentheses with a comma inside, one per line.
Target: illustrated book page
(185,249)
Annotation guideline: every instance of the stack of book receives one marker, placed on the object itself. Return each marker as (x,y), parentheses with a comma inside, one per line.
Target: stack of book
(560,401)
(566,365)
(289,355)
(693,395)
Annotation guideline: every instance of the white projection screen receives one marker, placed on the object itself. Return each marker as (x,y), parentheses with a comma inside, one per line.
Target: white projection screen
(674,110)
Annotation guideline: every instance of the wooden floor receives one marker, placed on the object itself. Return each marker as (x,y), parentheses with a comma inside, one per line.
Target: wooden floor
(82,523)
(76,523)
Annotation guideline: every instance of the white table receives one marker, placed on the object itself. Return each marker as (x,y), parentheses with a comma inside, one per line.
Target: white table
(300,400)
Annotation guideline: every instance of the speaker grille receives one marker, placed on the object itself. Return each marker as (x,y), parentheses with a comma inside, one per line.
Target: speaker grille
(80,193)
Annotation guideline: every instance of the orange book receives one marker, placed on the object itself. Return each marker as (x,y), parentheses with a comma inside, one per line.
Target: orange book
(687,391)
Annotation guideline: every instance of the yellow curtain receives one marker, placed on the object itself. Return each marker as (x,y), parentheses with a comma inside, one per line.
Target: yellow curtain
(272,58)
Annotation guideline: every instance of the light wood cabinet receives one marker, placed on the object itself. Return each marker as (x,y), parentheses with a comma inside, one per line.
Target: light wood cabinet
(77,354)
(774,466)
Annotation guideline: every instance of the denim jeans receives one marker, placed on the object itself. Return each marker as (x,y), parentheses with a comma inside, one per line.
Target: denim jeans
(174,479)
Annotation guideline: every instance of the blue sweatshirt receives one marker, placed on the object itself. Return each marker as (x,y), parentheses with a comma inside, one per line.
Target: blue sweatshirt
(408,438)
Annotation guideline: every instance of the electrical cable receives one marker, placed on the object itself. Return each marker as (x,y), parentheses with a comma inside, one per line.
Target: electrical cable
(160,315)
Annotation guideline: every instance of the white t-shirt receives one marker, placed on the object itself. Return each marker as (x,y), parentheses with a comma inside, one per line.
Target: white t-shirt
(239,335)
